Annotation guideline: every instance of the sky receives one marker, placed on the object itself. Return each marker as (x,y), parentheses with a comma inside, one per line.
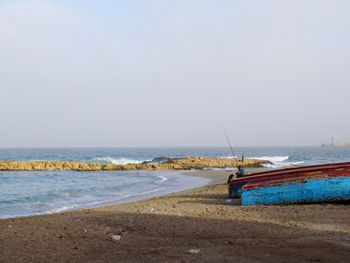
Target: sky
(174,73)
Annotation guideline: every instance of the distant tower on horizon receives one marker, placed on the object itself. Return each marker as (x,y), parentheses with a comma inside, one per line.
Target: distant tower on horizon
(335,143)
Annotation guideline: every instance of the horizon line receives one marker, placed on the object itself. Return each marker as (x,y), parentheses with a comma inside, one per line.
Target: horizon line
(131,147)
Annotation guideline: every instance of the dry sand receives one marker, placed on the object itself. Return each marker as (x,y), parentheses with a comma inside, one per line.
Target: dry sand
(165,229)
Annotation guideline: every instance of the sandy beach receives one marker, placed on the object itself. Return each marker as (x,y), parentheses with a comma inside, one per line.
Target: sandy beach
(198,225)
(128,126)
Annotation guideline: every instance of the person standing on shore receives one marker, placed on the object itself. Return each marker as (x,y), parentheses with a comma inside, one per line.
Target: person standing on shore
(240,173)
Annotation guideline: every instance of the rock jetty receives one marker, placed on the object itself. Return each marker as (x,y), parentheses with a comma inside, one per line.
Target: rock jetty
(171,164)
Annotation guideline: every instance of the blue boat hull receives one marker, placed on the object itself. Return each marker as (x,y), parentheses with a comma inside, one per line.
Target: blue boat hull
(311,190)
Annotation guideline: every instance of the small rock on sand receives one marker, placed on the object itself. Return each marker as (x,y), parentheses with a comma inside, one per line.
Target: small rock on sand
(116,237)
(193,251)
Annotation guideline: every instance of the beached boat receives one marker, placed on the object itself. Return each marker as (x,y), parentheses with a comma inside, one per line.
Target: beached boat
(318,183)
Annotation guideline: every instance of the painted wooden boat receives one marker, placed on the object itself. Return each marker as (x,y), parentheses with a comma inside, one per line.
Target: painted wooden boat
(332,186)
(236,185)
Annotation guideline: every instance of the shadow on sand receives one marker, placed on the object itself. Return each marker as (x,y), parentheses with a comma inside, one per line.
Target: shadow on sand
(85,236)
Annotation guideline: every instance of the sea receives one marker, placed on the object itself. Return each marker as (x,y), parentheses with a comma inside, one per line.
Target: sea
(27,193)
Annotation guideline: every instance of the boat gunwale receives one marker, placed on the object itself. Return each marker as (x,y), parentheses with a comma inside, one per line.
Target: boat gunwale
(301,179)
(291,172)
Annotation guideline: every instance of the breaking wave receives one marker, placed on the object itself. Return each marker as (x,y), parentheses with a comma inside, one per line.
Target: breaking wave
(117,161)
(278,161)
(275,161)
(113,200)
(283,164)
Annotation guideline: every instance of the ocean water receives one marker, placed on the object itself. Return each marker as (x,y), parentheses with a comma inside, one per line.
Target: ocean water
(280,156)
(32,193)
(42,192)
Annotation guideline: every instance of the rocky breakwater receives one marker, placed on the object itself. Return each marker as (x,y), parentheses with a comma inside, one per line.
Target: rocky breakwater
(171,164)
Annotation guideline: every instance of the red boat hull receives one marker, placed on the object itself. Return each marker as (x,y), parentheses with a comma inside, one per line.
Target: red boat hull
(254,180)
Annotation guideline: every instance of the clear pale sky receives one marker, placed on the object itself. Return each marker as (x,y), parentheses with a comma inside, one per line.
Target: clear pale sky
(173,73)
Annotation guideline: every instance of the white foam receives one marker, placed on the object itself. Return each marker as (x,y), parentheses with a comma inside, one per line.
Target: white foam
(117,161)
(161,179)
(111,200)
(282,164)
(277,161)
(156,190)
(272,159)
(61,209)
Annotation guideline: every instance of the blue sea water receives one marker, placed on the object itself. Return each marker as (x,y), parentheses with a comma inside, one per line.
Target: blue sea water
(31,193)
(281,156)
(40,192)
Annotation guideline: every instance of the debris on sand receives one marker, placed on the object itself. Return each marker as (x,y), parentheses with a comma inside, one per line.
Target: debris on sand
(193,251)
(116,237)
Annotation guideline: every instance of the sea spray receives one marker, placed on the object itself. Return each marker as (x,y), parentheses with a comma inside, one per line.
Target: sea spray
(117,161)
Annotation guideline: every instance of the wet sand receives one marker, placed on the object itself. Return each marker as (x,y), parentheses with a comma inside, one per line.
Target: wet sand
(165,229)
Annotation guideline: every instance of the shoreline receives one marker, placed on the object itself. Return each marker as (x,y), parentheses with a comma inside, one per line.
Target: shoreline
(187,181)
(168,228)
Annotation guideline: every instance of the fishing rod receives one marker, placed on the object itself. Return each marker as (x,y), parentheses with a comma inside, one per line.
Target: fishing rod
(229,143)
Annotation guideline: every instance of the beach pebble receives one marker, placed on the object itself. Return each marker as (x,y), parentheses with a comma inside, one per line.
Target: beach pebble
(193,251)
(116,237)
(299,225)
